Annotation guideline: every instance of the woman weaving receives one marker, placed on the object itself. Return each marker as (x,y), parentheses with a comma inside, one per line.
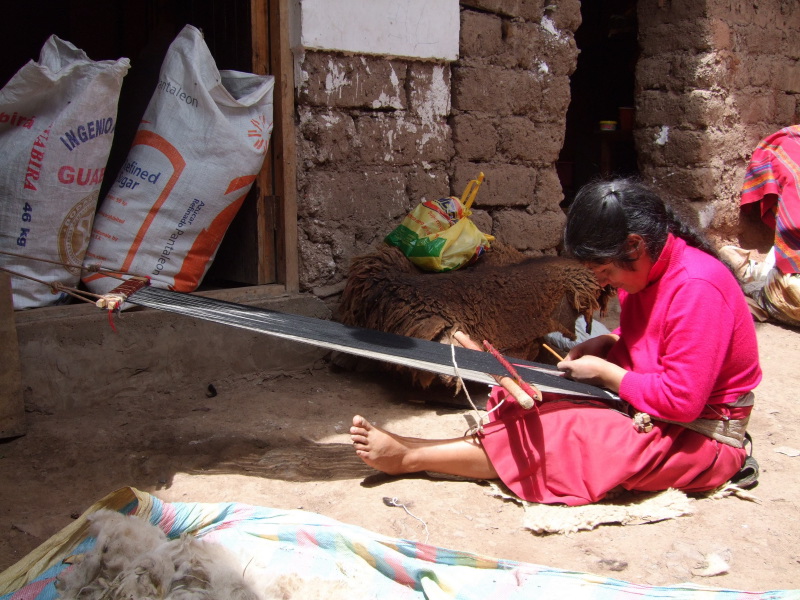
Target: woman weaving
(685,353)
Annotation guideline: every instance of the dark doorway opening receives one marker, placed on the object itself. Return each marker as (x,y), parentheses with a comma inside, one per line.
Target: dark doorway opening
(599,131)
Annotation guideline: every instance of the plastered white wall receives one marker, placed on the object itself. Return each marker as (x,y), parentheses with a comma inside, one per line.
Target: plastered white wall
(424,29)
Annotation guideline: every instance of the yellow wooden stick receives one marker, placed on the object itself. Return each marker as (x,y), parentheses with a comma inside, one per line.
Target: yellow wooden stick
(553,352)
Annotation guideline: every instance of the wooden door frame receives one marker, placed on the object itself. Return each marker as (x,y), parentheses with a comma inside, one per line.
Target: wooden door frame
(277,182)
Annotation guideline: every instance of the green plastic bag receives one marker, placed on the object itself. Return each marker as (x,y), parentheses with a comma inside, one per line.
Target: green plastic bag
(438,234)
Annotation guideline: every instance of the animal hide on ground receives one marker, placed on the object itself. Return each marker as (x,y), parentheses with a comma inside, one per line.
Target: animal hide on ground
(133,559)
(622,508)
(505,298)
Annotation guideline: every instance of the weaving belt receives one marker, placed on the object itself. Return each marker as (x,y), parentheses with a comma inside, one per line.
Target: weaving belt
(727,431)
(411,352)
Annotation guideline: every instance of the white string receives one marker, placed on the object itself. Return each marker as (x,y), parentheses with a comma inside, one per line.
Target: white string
(478,427)
(458,375)
(499,404)
(395,502)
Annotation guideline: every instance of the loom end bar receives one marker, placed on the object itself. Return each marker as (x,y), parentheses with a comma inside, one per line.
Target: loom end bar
(114,299)
(525,400)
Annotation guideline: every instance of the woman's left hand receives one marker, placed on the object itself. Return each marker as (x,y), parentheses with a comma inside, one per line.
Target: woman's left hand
(594,370)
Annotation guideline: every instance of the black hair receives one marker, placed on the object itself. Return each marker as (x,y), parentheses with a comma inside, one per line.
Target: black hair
(605,212)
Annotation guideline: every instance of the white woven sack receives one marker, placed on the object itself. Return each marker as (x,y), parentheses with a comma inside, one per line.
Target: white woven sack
(197,152)
(57,120)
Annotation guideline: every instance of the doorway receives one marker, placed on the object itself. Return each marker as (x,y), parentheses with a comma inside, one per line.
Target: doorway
(599,129)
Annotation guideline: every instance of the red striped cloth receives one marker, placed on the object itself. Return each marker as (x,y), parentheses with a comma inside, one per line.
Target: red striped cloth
(772,182)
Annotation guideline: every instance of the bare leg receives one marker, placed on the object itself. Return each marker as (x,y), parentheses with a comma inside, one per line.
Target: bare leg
(395,454)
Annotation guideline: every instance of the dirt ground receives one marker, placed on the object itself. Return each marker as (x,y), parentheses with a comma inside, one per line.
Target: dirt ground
(282,441)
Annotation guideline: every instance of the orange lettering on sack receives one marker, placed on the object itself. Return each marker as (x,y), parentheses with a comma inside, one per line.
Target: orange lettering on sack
(208,240)
(239,183)
(155,141)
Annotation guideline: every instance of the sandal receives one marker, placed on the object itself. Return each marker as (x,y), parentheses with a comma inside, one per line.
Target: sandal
(747,477)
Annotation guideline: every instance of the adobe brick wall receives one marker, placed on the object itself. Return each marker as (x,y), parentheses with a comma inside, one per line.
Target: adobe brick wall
(714,78)
(378,135)
(510,98)
(373,138)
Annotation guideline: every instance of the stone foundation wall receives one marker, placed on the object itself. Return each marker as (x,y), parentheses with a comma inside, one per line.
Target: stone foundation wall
(378,135)
(714,78)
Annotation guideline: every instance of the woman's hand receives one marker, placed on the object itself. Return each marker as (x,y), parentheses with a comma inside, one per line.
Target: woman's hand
(596,346)
(593,370)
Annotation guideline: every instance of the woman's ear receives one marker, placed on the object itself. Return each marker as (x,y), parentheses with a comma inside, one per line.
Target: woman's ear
(635,246)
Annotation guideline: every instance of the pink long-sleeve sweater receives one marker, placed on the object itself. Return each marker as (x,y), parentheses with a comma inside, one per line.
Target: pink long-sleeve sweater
(687,339)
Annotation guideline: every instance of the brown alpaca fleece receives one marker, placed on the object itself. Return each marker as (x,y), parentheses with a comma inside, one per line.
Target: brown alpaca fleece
(507,299)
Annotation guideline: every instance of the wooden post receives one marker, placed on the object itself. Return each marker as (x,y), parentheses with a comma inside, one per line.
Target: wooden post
(12,409)
(265,252)
(285,145)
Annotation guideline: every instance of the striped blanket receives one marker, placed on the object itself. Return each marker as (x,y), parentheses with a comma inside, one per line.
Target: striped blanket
(310,545)
(772,183)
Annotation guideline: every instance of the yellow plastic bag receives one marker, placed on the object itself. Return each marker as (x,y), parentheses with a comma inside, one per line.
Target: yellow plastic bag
(438,234)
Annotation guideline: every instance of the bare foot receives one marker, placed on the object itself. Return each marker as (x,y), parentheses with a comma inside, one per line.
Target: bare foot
(395,454)
(381,449)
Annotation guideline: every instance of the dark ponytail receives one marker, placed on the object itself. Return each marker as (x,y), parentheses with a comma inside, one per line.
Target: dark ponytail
(689,234)
(605,212)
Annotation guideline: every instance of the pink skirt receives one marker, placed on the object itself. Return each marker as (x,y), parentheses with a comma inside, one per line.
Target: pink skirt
(575,453)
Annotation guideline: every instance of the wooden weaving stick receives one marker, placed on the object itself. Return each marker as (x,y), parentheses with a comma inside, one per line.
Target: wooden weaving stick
(553,352)
(524,397)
